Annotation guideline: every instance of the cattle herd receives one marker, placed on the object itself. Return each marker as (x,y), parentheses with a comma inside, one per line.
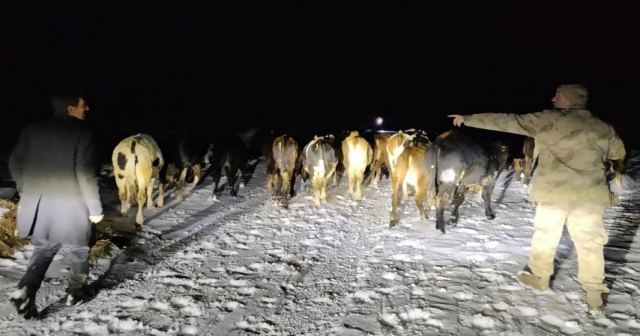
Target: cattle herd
(441,170)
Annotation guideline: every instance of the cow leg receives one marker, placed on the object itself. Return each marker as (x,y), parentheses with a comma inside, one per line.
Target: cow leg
(323,190)
(458,199)
(216,174)
(149,191)
(528,163)
(123,194)
(286,185)
(517,166)
(359,178)
(270,184)
(142,197)
(445,194)
(375,171)
(231,171)
(352,181)
(487,191)
(316,182)
(405,191)
(421,192)
(181,183)
(161,186)
(197,171)
(396,179)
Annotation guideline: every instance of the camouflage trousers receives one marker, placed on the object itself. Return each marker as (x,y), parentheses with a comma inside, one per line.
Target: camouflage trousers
(586,227)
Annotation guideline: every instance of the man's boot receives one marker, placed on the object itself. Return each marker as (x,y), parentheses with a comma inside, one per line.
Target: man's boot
(533,281)
(25,302)
(595,304)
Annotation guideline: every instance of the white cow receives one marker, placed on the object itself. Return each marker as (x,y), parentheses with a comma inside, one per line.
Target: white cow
(137,161)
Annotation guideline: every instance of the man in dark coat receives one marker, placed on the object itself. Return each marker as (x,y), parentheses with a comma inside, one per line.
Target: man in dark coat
(53,166)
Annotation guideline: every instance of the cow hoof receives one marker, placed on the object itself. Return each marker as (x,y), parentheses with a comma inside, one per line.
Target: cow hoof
(491,217)
(138,225)
(393,223)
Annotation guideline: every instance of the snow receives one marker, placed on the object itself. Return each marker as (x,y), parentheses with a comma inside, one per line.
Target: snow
(246,266)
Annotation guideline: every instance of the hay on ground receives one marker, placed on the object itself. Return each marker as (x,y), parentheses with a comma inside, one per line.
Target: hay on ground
(103,248)
(9,241)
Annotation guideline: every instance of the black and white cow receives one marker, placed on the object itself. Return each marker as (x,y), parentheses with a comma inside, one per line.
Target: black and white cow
(184,155)
(460,161)
(319,161)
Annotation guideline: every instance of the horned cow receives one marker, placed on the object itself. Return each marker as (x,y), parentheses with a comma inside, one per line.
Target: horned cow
(319,161)
(137,161)
(356,155)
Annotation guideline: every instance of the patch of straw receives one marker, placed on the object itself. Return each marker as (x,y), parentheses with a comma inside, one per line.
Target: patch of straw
(9,241)
(103,247)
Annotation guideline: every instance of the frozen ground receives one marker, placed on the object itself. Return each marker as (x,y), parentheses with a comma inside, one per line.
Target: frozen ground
(246,266)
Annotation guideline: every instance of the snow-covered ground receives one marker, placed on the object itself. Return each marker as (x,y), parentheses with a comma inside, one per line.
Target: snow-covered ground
(246,266)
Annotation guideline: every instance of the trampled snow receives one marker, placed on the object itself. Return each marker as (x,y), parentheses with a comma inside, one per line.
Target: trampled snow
(240,266)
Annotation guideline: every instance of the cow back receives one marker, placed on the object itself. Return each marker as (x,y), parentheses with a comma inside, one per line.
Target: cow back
(457,153)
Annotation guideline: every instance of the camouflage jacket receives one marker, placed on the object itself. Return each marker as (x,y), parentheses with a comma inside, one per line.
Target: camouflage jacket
(573,147)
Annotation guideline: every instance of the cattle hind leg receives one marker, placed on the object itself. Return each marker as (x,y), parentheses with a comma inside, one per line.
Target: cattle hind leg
(487,191)
(124,195)
(231,172)
(359,177)
(396,180)
(285,185)
(316,183)
(421,192)
(445,194)
(458,199)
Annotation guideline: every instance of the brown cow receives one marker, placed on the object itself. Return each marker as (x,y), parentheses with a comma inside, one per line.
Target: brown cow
(286,164)
(413,168)
(395,147)
(380,155)
(137,161)
(356,156)
(530,154)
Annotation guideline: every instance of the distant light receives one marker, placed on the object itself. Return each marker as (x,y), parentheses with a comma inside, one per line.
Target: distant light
(379,121)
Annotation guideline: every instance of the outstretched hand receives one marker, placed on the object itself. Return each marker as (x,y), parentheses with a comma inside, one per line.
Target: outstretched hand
(457,119)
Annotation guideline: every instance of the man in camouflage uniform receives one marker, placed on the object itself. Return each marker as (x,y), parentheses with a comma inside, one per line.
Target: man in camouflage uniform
(569,186)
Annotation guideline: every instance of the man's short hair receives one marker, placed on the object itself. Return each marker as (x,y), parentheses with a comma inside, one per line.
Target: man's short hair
(61,100)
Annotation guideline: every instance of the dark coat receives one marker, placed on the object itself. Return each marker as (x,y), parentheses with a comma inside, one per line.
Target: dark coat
(54,168)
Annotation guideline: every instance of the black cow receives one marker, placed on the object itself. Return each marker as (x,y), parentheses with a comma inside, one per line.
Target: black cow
(229,153)
(460,161)
(184,156)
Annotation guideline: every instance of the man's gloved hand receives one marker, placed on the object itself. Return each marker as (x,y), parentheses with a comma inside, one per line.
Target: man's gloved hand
(96,219)
(457,119)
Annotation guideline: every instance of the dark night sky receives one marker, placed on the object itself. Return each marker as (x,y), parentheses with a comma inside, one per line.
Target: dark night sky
(222,67)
